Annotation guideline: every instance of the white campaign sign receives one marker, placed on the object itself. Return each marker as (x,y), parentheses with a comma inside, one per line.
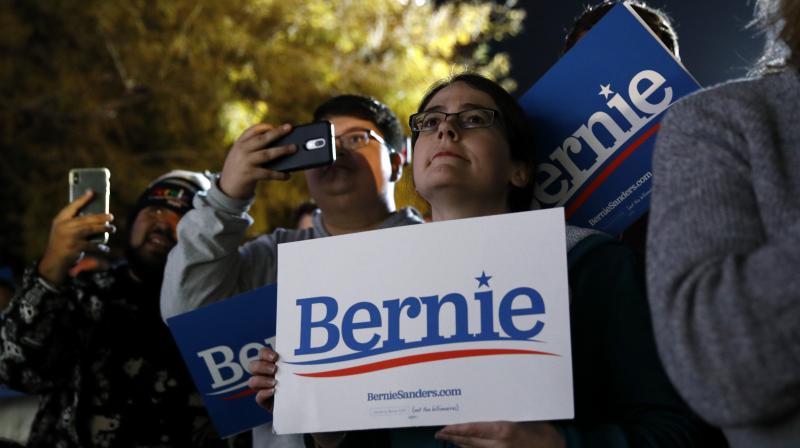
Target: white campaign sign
(433,324)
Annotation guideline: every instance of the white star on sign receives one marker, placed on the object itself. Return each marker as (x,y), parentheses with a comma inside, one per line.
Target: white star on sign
(605,90)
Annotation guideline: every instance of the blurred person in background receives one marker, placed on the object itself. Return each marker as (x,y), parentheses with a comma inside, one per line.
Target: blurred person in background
(355,194)
(724,244)
(661,25)
(94,346)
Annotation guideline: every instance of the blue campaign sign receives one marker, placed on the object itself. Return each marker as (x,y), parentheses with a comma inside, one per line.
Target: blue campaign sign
(5,392)
(217,343)
(595,115)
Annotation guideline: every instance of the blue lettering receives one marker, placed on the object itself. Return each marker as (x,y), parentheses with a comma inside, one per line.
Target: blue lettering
(432,307)
(395,307)
(367,315)
(348,325)
(487,323)
(306,325)
(507,312)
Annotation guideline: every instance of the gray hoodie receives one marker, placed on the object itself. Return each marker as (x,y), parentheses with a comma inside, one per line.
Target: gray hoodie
(723,256)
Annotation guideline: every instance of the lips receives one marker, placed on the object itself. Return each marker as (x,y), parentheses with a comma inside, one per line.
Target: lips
(447,154)
(160,240)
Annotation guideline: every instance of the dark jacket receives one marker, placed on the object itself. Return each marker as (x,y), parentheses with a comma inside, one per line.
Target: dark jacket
(623,397)
(104,363)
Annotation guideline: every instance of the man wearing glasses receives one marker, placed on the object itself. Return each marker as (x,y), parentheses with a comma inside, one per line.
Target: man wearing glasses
(354,194)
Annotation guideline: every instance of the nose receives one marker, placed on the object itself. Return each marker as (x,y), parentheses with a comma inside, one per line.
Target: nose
(167,220)
(340,149)
(164,223)
(448,129)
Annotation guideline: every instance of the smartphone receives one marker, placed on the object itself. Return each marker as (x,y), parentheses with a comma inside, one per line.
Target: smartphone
(316,146)
(99,181)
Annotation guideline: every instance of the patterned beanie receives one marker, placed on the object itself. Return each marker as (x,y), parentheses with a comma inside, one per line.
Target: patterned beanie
(174,190)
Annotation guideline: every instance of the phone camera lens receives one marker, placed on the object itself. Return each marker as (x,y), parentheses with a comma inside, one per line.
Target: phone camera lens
(315,144)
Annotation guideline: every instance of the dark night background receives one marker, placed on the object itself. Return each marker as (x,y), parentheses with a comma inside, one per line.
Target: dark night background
(715,43)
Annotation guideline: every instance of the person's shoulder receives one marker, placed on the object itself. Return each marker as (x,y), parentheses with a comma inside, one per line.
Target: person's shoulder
(284,235)
(735,97)
(406,216)
(596,250)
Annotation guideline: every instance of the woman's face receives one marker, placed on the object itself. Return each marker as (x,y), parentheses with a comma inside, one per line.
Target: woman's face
(456,167)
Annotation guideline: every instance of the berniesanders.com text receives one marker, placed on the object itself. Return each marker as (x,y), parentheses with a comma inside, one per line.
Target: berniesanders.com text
(419,393)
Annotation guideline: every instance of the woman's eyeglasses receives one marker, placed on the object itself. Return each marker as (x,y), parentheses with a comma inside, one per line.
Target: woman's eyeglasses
(466,119)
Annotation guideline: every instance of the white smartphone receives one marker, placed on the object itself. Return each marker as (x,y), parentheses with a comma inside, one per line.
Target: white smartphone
(99,181)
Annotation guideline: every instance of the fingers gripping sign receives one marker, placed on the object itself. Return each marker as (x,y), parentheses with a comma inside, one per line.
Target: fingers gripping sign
(502,434)
(244,163)
(263,379)
(69,237)
(263,382)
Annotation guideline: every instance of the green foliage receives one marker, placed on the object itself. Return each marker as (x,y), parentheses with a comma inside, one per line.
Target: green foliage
(142,87)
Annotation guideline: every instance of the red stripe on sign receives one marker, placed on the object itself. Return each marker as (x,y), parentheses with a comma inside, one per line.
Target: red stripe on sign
(609,169)
(417,359)
(244,393)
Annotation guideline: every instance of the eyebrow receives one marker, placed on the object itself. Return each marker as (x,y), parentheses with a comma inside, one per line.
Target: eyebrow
(354,128)
(463,107)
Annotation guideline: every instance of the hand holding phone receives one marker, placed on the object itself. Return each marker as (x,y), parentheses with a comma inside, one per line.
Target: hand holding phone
(69,237)
(97,180)
(264,152)
(316,146)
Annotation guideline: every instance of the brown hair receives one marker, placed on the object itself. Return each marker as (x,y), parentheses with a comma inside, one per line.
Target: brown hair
(658,21)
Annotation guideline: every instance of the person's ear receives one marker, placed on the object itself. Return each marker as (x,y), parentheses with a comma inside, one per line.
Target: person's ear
(520,175)
(396,159)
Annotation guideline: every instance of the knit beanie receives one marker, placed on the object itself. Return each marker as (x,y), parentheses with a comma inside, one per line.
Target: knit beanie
(174,190)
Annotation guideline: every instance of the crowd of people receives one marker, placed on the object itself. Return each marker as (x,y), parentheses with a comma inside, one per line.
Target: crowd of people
(699,348)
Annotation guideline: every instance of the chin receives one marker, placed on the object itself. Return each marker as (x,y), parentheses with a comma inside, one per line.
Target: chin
(153,262)
(336,186)
(439,179)
(145,259)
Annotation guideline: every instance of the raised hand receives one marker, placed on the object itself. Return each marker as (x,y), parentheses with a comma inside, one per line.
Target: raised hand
(69,237)
(244,163)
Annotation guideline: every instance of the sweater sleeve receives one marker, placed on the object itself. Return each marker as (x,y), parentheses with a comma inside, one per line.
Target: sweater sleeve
(724,295)
(43,332)
(208,264)
(623,397)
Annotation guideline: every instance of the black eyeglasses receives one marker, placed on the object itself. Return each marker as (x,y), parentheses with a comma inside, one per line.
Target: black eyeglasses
(466,119)
(360,138)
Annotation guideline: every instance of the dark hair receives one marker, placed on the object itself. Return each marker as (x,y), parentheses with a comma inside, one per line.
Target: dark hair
(366,108)
(515,125)
(780,20)
(658,21)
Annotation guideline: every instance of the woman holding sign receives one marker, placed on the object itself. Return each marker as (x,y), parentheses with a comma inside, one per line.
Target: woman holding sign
(473,158)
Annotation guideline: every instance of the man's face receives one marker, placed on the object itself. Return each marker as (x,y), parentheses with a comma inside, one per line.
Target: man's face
(359,175)
(153,235)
